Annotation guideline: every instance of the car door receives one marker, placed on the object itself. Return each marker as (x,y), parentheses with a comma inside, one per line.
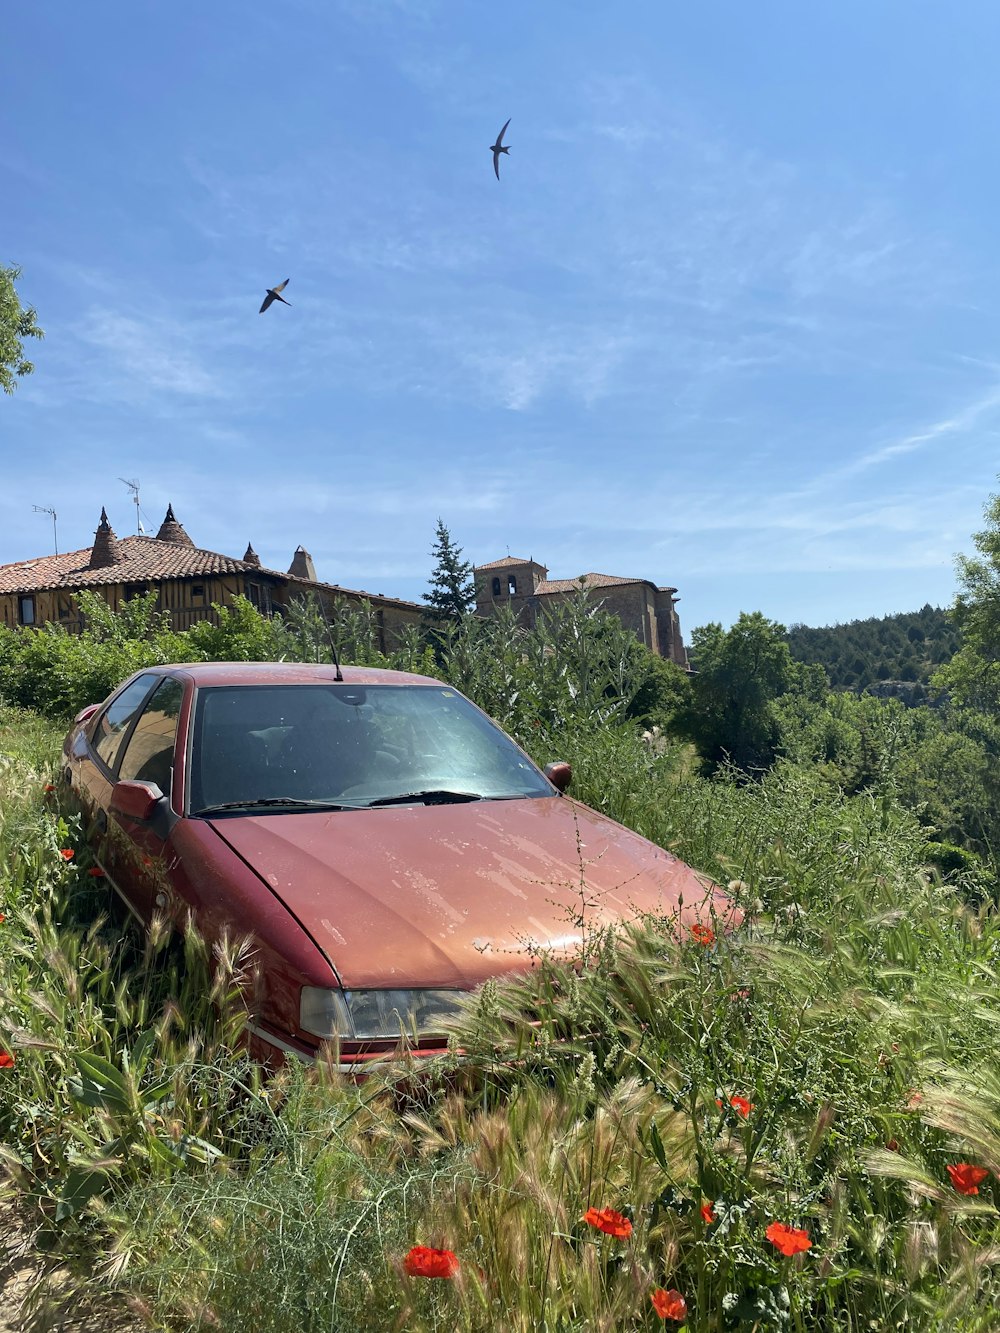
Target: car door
(148,756)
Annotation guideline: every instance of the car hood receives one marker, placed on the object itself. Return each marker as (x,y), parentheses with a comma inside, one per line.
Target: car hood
(448,895)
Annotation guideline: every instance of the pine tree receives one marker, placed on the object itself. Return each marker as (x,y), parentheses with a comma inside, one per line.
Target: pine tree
(453,590)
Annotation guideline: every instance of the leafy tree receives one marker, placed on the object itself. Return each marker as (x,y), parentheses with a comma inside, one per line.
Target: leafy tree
(739,675)
(17,322)
(973,676)
(453,591)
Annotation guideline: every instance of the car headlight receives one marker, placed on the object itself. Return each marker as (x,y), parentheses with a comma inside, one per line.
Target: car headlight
(384,1014)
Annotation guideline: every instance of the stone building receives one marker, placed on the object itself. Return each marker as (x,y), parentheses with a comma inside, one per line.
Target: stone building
(642,607)
(187,580)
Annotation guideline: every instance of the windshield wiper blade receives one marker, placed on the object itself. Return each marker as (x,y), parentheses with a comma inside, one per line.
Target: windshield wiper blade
(435,796)
(279,803)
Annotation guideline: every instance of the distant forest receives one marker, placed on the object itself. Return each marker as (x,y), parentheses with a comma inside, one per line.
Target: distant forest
(864,653)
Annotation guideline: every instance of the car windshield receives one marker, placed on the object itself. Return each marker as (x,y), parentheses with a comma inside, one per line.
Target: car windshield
(279,747)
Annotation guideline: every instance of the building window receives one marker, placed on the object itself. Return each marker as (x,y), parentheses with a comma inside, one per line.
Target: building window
(496,587)
(512,585)
(133,590)
(26,610)
(198,592)
(259,596)
(64,609)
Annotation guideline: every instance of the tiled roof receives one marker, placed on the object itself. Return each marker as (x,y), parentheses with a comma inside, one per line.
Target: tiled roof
(145,559)
(506,561)
(142,558)
(587,581)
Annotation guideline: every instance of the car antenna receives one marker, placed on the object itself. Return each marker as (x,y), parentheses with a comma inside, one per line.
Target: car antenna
(333,643)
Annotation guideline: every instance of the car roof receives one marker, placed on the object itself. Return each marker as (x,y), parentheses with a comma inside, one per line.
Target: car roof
(290,673)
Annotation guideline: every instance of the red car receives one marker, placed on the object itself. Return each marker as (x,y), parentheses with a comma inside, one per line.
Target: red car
(385,844)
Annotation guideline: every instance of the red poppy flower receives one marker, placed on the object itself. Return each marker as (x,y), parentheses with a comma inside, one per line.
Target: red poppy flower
(739,1104)
(6,1060)
(425,1262)
(703,934)
(669,1304)
(892,1145)
(708,1217)
(49,787)
(789,1240)
(2,918)
(742,994)
(95,872)
(67,853)
(967,1178)
(608,1221)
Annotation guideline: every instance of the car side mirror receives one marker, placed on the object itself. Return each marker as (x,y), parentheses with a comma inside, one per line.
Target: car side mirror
(85,714)
(135,800)
(560,774)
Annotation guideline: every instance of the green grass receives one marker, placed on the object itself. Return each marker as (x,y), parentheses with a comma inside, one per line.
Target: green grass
(856,1011)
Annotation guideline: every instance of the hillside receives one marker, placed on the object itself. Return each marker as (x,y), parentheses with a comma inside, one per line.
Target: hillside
(856,656)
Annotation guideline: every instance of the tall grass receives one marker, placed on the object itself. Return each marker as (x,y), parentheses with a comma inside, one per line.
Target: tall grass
(821,1068)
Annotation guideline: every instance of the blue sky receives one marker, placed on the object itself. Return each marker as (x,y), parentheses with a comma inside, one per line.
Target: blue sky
(729,321)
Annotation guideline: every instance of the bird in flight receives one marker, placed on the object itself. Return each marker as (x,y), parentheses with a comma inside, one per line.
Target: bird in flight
(497,148)
(274,294)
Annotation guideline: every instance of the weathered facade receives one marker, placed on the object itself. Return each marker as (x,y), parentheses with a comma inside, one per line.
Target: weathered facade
(186,579)
(642,607)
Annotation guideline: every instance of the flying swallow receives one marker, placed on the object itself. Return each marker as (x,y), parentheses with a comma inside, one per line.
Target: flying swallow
(274,294)
(497,148)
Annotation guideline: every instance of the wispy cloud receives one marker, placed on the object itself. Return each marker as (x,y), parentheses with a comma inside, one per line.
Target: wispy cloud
(137,356)
(959,423)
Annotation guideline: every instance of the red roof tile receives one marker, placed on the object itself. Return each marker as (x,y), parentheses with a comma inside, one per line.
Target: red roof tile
(146,559)
(506,561)
(586,581)
(142,558)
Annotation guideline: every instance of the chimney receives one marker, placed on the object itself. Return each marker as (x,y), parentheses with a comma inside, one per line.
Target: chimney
(302,565)
(105,552)
(171,530)
(250,556)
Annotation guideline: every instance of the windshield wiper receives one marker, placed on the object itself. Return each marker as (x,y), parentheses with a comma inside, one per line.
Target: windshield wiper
(435,796)
(279,803)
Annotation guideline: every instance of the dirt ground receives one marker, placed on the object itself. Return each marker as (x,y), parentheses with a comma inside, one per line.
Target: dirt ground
(35,1292)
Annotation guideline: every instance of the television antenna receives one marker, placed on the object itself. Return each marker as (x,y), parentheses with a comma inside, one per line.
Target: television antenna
(44,509)
(134,490)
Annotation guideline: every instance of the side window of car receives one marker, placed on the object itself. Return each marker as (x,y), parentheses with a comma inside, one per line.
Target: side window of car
(149,755)
(113,723)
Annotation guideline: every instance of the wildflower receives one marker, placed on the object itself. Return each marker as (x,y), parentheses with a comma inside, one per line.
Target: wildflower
(49,788)
(6,1060)
(2,918)
(422,1261)
(742,994)
(95,872)
(669,1304)
(892,1145)
(967,1178)
(707,1216)
(67,853)
(914,1099)
(739,1104)
(789,1240)
(703,935)
(608,1221)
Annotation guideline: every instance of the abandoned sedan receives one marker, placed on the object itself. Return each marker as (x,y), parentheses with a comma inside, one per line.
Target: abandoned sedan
(386,846)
